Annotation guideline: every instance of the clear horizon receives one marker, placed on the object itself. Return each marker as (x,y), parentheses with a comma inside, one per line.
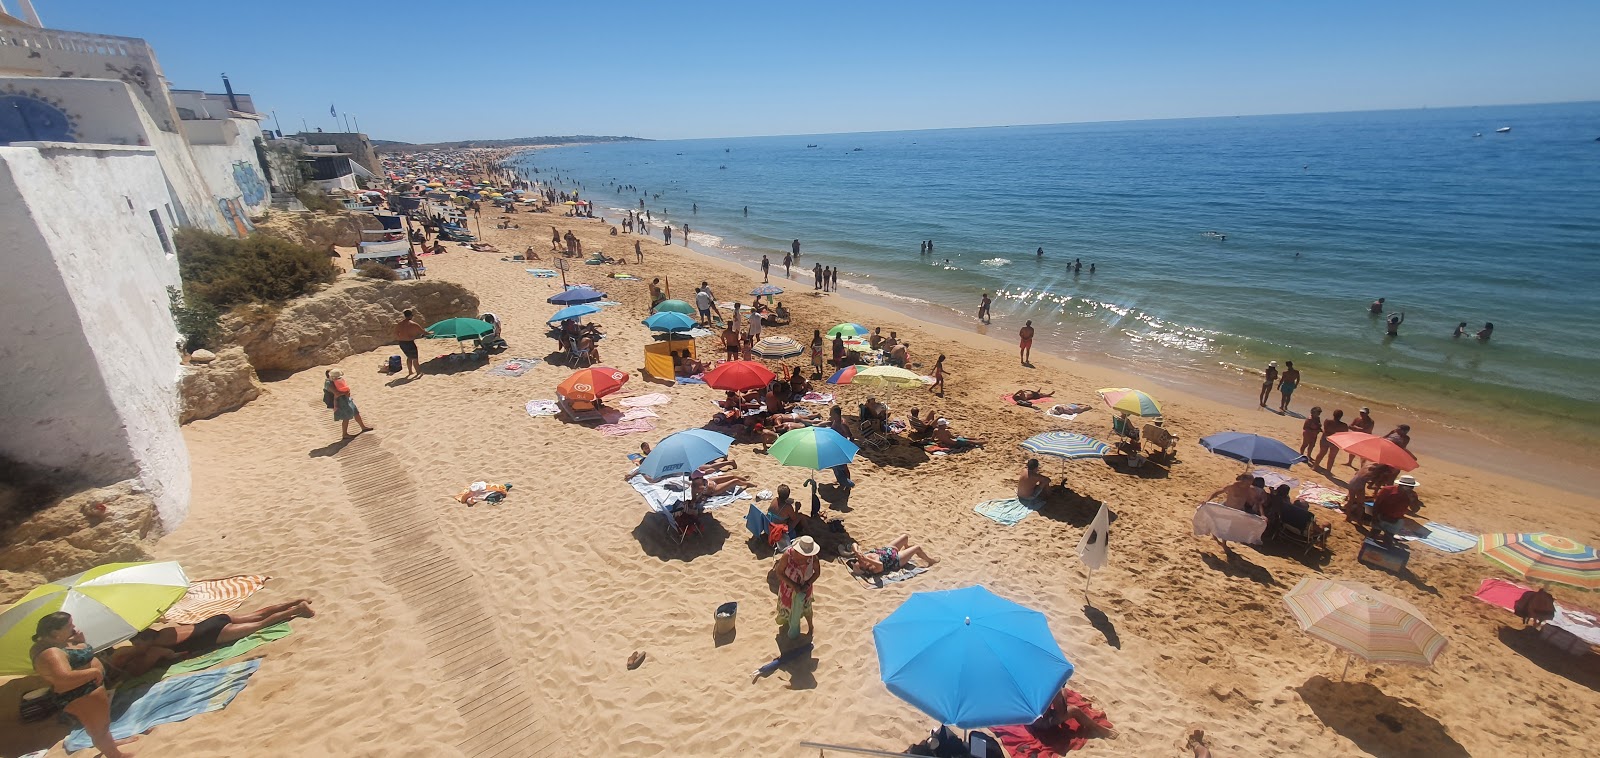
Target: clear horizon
(720,70)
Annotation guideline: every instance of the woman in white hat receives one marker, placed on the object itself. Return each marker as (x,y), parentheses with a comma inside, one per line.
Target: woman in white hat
(798,569)
(336,395)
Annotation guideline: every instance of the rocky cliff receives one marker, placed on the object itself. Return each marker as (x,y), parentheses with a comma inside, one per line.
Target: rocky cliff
(318,230)
(222,383)
(102,525)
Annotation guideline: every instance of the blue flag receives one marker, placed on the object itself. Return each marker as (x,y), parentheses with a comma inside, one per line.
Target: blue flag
(332,112)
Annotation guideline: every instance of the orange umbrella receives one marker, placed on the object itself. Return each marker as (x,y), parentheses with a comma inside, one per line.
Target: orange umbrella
(592,383)
(739,376)
(1374,448)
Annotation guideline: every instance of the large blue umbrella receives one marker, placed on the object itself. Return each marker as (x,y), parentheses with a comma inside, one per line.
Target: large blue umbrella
(683,452)
(670,321)
(1066,445)
(576,295)
(970,658)
(1252,448)
(572,311)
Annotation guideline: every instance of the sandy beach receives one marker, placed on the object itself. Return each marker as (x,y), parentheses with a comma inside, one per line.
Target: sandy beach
(555,587)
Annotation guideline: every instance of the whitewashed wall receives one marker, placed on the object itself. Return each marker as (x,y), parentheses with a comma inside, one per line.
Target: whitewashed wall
(88,360)
(230,166)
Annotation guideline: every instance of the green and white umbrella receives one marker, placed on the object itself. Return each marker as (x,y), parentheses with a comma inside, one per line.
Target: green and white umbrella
(108,604)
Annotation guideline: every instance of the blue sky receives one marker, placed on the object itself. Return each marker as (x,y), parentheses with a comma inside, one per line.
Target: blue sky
(458,70)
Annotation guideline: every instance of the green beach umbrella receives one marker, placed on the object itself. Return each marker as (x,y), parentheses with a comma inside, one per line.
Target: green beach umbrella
(814,447)
(461,328)
(675,306)
(848,331)
(108,604)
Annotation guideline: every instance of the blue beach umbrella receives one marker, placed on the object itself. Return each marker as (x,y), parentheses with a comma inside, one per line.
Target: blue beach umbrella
(683,452)
(670,321)
(572,311)
(1069,445)
(1252,448)
(970,658)
(767,289)
(575,296)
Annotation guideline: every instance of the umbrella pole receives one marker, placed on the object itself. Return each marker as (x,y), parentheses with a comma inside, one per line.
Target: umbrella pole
(1346,668)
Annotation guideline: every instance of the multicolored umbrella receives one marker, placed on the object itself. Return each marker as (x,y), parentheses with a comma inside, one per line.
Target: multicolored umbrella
(844,375)
(108,604)
(592,383)
(739,376)
(1544,557)
(1130,401)
(767,289)
(777,347)
(1069,445)
(675,306)
(670,321)
(888,376)
(1364,622)
(848,330)
(814,447)
(970,658)
(1252,449)
(1374,448)
(461,329)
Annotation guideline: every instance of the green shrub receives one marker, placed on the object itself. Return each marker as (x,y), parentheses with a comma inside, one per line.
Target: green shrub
(196,321)
(378,271)
(316,201)
(226,271)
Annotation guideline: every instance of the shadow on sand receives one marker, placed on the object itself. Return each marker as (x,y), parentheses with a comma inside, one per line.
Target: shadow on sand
(1236,565)
(1377,723)
(659,542)
(1584,669)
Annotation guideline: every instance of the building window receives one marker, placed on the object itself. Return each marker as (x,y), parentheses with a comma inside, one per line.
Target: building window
(161,230)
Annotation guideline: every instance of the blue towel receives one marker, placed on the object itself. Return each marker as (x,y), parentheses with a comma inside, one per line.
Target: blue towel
(1448,539)
(1008,511)
(141,709)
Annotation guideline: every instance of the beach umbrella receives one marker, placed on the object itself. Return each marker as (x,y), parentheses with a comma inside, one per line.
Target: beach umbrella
(592,383)
(573,311)
(670,321)
(857,346)
(1252,448)
(1130,401)
(888,376)
(108,604)
(1365,622)
(1544,558)
(1069,445)
(777,347)
(970,658)
(683,452)
(575,296)
(844,375)
(1374,448)
(848,330)
(813,447)
(675,306)
(461,328)
(767,289)
(739,376)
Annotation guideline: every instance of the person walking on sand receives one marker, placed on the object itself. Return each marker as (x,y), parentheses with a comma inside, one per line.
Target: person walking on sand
(1309,432)
(638,252)
(797,570)
(1330,427)
(816,352)
(336,395)
(1362,423)
(788,263)
(766,267)
(406,334)
(1025,335)
(983,308)
(1286,384)
(938,376)
(76,678)
(1269,378)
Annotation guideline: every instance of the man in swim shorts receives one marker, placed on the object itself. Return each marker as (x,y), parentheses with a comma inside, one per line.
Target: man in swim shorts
(406,334)
(1286,384)
(1026,337)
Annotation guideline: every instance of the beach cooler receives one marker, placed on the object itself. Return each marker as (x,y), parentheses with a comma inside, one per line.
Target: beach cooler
(1391,558)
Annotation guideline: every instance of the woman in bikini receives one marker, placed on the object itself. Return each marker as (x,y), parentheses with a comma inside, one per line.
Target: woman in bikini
(152,647)
(77,680)
(891,557)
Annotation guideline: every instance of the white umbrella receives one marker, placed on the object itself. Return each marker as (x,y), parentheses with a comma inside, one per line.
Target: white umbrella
(108,604)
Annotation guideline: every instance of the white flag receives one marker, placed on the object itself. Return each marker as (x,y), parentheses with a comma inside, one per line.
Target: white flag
(1093,548)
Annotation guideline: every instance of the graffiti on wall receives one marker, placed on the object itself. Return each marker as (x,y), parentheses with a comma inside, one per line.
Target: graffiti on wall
(31,116)
(254,191)
(233,210)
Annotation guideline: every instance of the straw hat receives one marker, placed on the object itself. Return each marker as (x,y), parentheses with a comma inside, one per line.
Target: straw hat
(335,374)
(806,546)
(1406,480)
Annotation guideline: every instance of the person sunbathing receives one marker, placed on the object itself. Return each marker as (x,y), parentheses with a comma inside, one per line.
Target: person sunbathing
(1026,397)
(1060,711)
(530,255)
(945,439)
(921,427)
(702,486)
(689,365)
(153,647)
(889,558)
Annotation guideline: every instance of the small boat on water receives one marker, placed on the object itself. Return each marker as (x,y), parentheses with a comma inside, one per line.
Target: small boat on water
(1219,236)
(1502,130)
(810,145)
(857,150)
(1477,134)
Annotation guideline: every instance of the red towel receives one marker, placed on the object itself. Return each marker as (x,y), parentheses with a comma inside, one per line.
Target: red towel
(1500,593)
(1030,742)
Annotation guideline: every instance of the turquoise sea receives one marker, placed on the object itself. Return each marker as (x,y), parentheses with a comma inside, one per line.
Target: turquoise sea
(1434,210)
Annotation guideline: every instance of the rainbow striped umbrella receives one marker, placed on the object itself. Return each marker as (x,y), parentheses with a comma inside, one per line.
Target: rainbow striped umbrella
(1130,401)
(1069,445)
(848,330)
(1544,557)
(1365,622)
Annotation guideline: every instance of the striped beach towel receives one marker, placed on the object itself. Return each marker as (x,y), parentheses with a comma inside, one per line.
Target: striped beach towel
(622,428)
(1008,511)
(209,597)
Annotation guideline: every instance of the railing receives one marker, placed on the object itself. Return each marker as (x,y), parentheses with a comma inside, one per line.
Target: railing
(74,42)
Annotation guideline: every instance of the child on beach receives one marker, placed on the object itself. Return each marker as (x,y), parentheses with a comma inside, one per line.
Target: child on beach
(816,352)
(938,376)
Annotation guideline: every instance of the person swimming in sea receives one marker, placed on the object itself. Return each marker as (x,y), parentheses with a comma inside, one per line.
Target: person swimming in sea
(1461,329)
(1393,323)
(1377,306)
(1485,332)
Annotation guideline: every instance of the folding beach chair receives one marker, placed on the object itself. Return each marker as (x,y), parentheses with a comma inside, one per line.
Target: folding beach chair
(681,523)
(1160,438)
(576,355)
(870,430)
(1299,525)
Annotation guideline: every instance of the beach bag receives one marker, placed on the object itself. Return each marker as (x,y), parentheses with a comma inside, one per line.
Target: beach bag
(328,397)
(394,364)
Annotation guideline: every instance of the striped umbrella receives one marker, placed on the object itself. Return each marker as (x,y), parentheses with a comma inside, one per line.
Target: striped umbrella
(767,289)
(1069,445)
(108,605)
(1544,557)
(1130,401)
(888,376)
(848,330)
(1363,621)
(777,347)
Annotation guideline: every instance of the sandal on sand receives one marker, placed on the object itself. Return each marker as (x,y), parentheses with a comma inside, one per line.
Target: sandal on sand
(635,660)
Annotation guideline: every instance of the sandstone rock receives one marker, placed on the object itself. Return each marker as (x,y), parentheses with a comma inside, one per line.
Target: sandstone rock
(319,230)
(202,356)
(96,526)
(222,384)
(353,316)
(15,584)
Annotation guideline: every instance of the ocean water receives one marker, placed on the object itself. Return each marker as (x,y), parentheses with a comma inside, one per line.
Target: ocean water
(1322,214)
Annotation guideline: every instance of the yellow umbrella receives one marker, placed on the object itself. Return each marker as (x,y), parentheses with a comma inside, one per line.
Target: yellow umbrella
(889,376)
(1130,401)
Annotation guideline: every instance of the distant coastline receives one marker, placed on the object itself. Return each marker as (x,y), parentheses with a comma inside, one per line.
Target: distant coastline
(565,140)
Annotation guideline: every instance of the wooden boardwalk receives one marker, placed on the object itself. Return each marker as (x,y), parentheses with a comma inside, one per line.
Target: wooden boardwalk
(503,718)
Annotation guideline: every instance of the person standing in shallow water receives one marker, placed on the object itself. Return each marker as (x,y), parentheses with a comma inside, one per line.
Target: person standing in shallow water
(766,267)
(795,250)
(983,308)
(666,233)
(1270,378)
(1289,380)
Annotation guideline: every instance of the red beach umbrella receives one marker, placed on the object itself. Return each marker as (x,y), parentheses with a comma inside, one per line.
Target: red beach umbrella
(592,383)
(739,376)
(1374,448)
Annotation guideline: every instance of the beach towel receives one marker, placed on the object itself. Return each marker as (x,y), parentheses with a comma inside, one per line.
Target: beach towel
(691,379)
(513,367)
(817,397)
(543,273)
(1227,524)
(662,495)
(1275,478)
(537,408)
(637,413)
(645,401)
(1065,412)
(879,581)
(202,662)
(209,597)
(1038,742)
(1316,494)
(1500,593)
(623,428)
(140,709)
(608,303)
(1006,511)
(1445,538)
(1581,623)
